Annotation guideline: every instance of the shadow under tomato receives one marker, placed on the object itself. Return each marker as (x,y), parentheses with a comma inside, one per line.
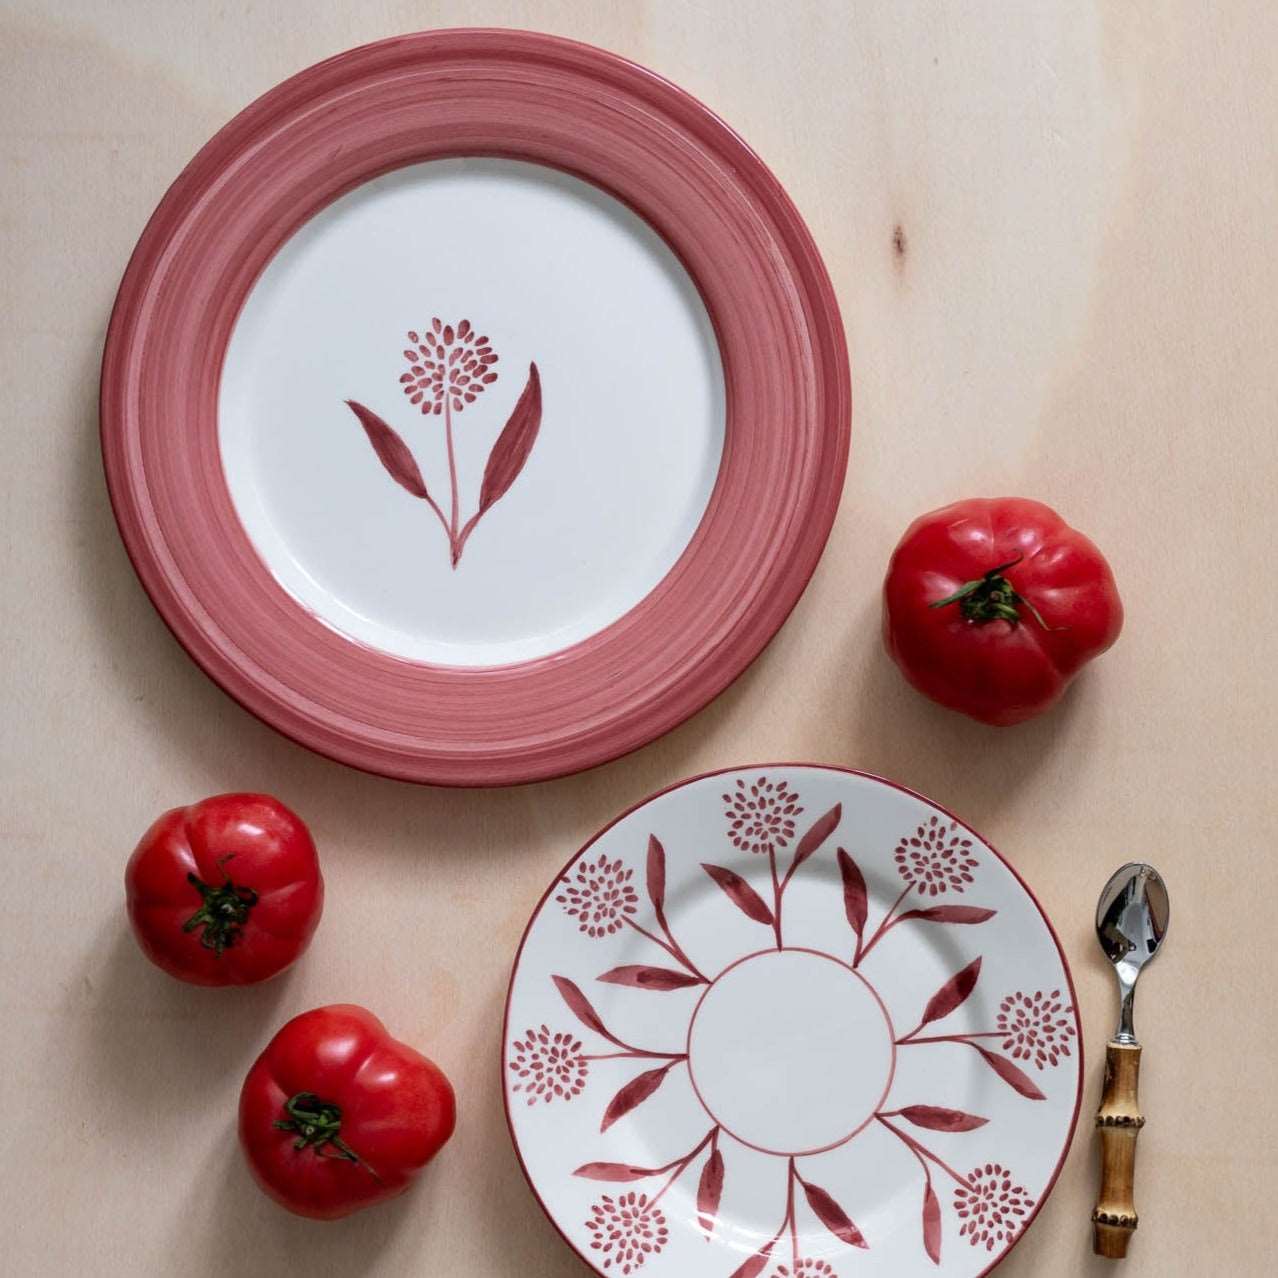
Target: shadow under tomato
(230,1227)
(174,1051)
(974,769)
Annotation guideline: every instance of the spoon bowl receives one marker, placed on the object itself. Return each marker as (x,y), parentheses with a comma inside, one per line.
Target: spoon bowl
(1132,916)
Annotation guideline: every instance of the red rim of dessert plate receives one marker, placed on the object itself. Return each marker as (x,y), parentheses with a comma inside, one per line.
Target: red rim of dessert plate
(514,95)
(782,767)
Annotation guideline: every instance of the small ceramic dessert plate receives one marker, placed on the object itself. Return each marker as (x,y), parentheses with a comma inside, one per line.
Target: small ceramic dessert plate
(796,1022)
(475,406)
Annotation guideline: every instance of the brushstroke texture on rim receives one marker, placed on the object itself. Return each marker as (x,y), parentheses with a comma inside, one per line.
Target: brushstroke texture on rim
(514,95)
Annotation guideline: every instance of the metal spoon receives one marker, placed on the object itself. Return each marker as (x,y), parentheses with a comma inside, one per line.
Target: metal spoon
(1131,921)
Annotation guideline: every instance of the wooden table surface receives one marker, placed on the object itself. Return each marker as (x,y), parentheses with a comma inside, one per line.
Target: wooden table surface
(1052,229)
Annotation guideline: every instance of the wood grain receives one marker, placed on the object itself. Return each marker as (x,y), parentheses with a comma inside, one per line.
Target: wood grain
(1083,308)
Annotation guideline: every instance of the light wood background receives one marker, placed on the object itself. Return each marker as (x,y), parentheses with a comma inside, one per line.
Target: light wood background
(1085,310)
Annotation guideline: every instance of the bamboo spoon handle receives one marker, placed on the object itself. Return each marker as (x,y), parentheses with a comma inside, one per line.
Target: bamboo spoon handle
(1119,1121)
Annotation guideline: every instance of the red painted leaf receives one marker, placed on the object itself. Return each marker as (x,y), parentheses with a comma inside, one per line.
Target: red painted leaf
(743,896)
(614,1171)
(656,874)
(821,830)
(952,993)
(513,445)
(649,978)
(855,898)
(832,1216)
(1011,1075)
(391,451)
(634,1093)
(709,1191)
(931,1224)
(936,1119)
(949,914)
(580,1007)
(756,1264)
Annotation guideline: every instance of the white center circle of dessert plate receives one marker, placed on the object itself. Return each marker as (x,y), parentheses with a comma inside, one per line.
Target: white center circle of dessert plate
(553,272)
(755,1025)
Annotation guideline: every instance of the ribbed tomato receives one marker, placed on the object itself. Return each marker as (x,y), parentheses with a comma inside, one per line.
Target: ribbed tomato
(225,892)
(991,606)
(336,1115)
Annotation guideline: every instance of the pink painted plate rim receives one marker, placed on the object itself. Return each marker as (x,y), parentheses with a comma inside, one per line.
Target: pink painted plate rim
(391,731)
(772,767)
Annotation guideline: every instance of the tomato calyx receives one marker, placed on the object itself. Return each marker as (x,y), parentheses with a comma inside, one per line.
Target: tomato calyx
(992,597)
(224,911)
(318,1124)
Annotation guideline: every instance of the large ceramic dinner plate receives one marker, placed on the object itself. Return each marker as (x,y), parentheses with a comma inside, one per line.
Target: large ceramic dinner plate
(475,406)
(796,1022)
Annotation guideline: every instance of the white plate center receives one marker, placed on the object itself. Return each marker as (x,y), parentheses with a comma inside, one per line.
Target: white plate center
(594,508)
(791,1051)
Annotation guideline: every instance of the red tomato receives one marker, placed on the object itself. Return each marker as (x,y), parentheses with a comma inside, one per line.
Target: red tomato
(336,1115)
(991,607)
(225,892)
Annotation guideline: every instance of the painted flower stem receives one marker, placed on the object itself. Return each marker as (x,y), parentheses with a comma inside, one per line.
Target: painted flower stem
(638,1053)
(680,1165)
(777,891)
(883,928)
(791,1177)
(921,1151)
(672,948)
(911,1041)
(454,548)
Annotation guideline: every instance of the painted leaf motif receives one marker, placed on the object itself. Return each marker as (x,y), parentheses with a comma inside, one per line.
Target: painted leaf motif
(656,874)
(953,993)
(931,1224)
(709,1191)
(513,445)
(634,1093)
(832,1216)
(614,1171)
(855,897)
(756,1264)
(950,914)
(649,978)
(821,830)
(936,1119)
(1010,1074)
(580,1007)
(742,895)
(391,451)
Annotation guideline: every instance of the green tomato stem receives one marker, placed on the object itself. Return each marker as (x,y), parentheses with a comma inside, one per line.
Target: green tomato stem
(992,597)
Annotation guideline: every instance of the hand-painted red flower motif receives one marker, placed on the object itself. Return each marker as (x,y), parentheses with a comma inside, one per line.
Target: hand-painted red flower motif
(447,365)
(548,1066)
(993,1208)
(936,858)
(761,815)
(1037,1026)
(626,1231)
(600,896)
(807,1269)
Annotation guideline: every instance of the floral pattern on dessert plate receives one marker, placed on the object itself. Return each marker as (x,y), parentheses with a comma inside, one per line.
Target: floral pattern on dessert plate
(790,1022)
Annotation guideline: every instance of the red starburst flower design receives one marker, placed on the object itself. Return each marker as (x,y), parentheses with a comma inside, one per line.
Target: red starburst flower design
(599,896)
(626,1231)
(761,815)
(807,1269)
(447,365)
(993,1208)
(549,1066)
(936,858)
(1038,1026)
